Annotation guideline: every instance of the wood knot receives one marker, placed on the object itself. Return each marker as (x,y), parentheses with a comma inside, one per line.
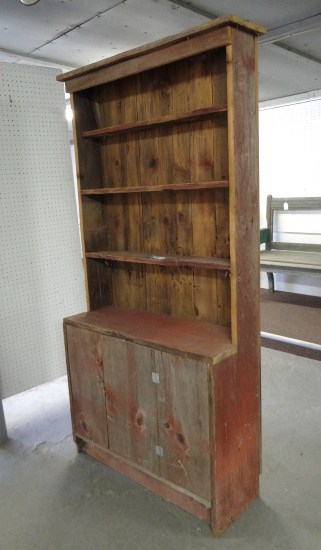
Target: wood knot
(181,439)
(153,162)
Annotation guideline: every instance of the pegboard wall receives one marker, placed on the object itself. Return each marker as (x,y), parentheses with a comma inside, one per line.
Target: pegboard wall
(290,166)
(41,275)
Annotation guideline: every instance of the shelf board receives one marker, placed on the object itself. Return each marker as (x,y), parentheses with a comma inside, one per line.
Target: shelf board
(156,188)
(167,261)
(190,116)
(193,338)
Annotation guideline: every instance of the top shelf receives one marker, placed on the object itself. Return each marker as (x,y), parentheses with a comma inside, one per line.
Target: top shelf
(190,116)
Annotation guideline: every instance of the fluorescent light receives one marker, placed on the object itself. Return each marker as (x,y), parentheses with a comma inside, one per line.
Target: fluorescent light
(29,2)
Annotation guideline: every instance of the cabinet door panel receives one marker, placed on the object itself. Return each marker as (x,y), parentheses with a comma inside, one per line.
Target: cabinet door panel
(86,373)
(131,401)
(183,416)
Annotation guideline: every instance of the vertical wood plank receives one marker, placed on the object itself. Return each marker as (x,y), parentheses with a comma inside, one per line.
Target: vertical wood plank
(123,213)
(154,98)
(183,292)
(183,419)
(199,90)
(131,401)
(220,142)
(86,375)
(223,251)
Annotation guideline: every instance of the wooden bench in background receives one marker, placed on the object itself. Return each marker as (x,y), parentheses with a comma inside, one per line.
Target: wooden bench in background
(288,257)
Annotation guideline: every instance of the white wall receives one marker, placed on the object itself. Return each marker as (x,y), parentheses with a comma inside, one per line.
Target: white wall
(41,277)
(290,166)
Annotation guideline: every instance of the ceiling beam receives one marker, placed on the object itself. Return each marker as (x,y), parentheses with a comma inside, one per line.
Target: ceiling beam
(71,28)
(290,100)
(189,6)
(286,51)
(297,27)
(16,57)
(273,35)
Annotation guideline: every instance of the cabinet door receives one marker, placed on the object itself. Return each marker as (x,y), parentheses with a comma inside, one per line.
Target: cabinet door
(183,418)
(131,401)
(88,403)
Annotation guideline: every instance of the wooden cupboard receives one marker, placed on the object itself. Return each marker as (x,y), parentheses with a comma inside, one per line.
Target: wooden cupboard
(164,367)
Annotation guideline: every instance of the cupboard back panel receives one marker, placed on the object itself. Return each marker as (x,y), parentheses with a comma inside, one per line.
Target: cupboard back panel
(191,84)
(152,225)
(169,223)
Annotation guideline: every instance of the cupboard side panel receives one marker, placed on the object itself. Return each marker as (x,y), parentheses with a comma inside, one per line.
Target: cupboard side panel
(88,168)
(183,417)
(237,382)
(247,268)
(88,403)
(235,438)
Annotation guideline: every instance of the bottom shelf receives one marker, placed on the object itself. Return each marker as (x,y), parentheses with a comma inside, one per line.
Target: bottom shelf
(191,338)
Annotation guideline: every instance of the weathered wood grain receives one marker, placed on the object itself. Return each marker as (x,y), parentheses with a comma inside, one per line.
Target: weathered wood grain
(123,213)
(86,376)
(202,38)
(88,168)
(167,490)
(150,60)
(236,382)
(154,188)
(170,261)
(148,124)
(183,303)
(100,286)
(131,401)
(154,99)
(186,338)
(195,436)
(183,419)
(199,90)
(221,201)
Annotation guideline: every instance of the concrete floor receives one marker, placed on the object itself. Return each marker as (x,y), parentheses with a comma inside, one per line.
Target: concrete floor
(51,498)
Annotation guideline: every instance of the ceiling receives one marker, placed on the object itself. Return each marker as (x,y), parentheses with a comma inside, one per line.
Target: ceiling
(73,33)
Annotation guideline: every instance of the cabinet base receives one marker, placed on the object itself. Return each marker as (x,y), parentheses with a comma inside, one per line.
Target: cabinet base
(168,491)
